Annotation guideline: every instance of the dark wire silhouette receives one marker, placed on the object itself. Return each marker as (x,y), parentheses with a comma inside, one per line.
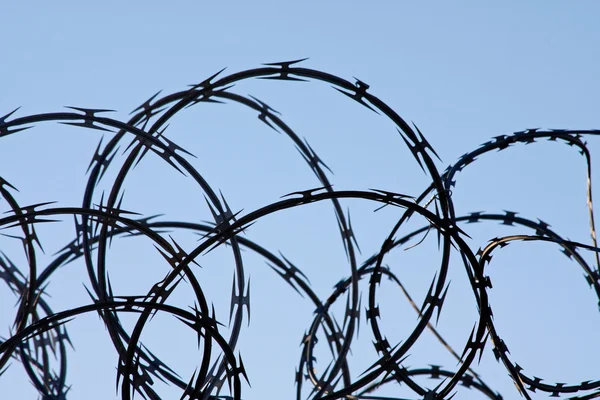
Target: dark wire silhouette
(38,331)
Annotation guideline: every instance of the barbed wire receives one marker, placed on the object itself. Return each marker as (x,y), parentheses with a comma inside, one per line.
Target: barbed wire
(38,331)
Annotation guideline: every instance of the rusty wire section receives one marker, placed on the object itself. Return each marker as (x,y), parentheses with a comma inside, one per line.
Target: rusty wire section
(39,331)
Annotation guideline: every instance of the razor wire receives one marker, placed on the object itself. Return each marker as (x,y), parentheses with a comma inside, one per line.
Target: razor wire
(39,331)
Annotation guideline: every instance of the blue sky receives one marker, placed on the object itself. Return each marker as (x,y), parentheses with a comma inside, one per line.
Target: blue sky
(462,72)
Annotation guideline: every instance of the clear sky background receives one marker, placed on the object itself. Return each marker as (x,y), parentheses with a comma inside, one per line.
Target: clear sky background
(462,71)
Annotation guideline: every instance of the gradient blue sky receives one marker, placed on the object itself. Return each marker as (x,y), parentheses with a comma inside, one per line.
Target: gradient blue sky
(462,71)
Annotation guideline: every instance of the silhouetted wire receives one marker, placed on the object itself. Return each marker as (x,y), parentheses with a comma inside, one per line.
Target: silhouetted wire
(38,331)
